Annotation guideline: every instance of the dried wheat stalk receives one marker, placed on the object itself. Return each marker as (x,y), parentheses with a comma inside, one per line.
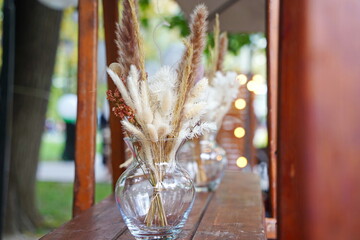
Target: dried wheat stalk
(129,41)
(223,46)
(198,27)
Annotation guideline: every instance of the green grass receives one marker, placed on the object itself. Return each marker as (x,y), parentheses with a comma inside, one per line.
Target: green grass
(51,150)
(52,147)
(55,202)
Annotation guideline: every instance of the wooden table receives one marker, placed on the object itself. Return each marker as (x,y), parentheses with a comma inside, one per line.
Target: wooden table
(234,211)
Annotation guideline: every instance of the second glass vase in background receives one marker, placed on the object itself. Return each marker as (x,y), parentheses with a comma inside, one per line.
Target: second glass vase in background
(205,160)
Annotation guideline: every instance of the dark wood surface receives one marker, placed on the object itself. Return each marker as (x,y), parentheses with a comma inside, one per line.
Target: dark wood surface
(85,143)
(234,211)
(272,32)
(117,153)
(292,100)
(319,116)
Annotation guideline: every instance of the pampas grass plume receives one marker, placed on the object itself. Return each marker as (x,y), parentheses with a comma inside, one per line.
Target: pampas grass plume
(133,130)
(152,132)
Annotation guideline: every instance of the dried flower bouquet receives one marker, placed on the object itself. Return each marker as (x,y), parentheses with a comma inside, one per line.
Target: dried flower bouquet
(165,106)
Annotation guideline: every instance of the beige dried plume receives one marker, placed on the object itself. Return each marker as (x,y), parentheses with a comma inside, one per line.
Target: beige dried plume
(129,41)
(223,46)
(184,72)
(191,60)
(198,28)
(214,52)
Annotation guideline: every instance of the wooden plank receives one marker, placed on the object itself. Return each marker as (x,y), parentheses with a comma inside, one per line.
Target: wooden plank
(200,206)
(235,211)
(319,120)
(201,202)
(85,144)
(117,154)
(273,12)
(103,221)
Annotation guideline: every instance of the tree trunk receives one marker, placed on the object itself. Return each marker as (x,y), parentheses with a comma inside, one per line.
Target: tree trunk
(36,34)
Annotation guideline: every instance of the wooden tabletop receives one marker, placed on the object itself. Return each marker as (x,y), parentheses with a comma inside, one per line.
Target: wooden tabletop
(234,211)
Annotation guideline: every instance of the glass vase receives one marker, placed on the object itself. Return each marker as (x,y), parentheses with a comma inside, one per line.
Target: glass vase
(154,195)
(205,160)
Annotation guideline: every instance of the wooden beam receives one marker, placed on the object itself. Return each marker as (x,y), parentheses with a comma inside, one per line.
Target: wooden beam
(85,144)
(272,32)
(117,154)
(319,120)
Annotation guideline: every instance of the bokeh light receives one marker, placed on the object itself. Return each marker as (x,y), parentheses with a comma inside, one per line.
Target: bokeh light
(258,78)
(239,132)
(251,85)
(241,162)
(240,103)
(242,79)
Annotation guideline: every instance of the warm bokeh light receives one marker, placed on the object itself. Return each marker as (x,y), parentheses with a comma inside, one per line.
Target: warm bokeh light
(242,79)
(251,86)
(219,157)
(239,132)
(240,103)
(257,78)
(241,162)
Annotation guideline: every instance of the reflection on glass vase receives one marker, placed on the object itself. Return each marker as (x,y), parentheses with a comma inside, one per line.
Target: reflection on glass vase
(154,195)
(205,160)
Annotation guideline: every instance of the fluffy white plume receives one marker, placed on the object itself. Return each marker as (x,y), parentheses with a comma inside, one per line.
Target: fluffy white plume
(152,132)
(197,92)
(166,103)
(157,83)
(222,92)
(147,111)
(193,110)
(133,130)
(133,86)
(122,89)
(202,128)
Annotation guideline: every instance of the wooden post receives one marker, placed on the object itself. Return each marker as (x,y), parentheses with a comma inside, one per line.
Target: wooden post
(252,129)
(117,155)
(319,118)
(85,144)
(272,32)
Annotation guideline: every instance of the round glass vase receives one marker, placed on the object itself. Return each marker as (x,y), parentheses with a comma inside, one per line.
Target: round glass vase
(205,160)
(154,195)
